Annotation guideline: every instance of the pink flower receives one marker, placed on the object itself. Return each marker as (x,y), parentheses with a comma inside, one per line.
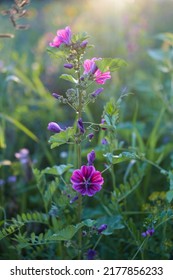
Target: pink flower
(63,37)
(87,180)
(91,68)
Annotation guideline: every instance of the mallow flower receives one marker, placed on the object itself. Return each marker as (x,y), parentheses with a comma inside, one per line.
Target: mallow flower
(87,180)
(90,67)
(63,37)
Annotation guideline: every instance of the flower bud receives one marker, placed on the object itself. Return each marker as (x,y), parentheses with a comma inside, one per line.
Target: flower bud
(56,95)
(68,65)
(91,157)
(81,126)
(97,92)
(102,228)
(90,136)
(54,127)
(84,44)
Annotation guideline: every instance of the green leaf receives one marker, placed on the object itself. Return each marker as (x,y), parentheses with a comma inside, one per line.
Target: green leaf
(69,78)
(169,196)
(110,64)
(113,223)
(79,37)
(124,156)
(57,170)
(68,232)
(62,137)
(20,126)
(56,53)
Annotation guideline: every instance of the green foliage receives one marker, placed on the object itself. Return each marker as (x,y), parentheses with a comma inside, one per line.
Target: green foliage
(110,64)
(61,138)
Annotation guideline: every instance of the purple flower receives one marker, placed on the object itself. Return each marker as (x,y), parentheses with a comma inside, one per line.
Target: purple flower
(54,127)
(87,180)
(91,254)
(63,37)
(91,157)
(91,68)
(104,141)
(68,65)
(56,95)
(84,44)
(102,228)
(90,136)
(23,156)
(97,92)
(148,232)
(80,126)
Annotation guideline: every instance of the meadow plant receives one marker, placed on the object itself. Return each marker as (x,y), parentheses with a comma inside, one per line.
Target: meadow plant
(99,203)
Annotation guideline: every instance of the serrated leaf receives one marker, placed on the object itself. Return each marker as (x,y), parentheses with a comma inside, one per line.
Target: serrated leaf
(62,137)
(110,64)
(69,78)
(58,170)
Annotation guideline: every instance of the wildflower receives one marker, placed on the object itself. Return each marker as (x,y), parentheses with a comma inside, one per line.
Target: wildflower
(87,180)
(63,37)
(54,127)
(80,126)
(68,65)
(90,136)
(23,156)
(97,92)
(91,254)
(90,67)
(104,141)
(56,95)
(91,157)
(148,232)
(102,228)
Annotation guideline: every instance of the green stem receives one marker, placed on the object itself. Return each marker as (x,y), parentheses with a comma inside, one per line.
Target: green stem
(79,160)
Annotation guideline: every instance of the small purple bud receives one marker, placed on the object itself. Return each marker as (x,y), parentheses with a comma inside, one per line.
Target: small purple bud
(68,65)
(150,232)
(80,126)
(91,157)
(102,122)
(102,228)
(97,92)
(74,199)
(84,44)
(82,78)
(91,254)
(90,136)
(104,141)
(56,95)
(54,127)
